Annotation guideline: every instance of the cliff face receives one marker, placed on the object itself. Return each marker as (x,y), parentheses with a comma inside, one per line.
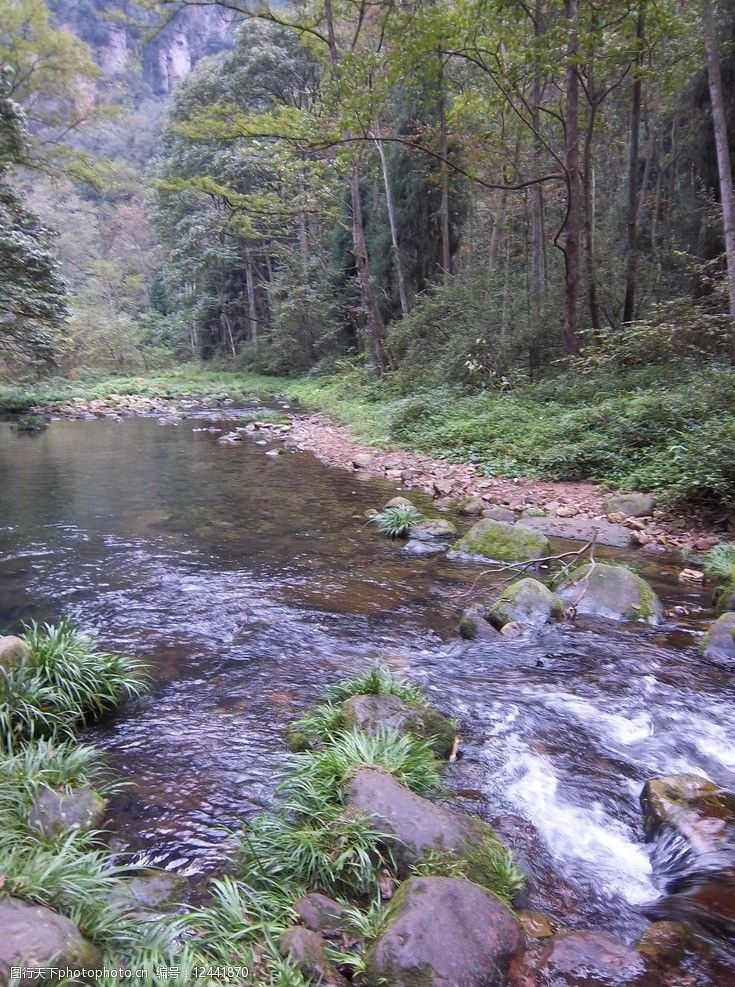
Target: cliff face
(121,43)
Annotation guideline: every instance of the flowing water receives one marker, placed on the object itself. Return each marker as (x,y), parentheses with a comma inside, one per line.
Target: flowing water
(251,581)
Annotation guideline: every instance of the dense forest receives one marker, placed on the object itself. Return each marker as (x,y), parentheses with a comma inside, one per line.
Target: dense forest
(435,203)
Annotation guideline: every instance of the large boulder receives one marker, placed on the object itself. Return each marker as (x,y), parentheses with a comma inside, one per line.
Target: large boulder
(32,936)
(322,914)
(582,529)
(588,959)
(692,806)
(630,504)
(528,602)
(13,651)
(500,542)
(612,592)
(719,641)
(305,949)
(55,813)
(443,932)
(417,826)
(371,713)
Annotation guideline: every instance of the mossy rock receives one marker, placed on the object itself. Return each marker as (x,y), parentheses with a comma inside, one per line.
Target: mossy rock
(474,626)
(528,602)
(611,592)
(33,936)
(501,542)
(724,595)
(371,713)
(297,740)
(398,502)
(719,641)
(56,813)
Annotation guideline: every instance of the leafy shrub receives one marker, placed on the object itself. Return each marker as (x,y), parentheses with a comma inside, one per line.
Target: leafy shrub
(31,423)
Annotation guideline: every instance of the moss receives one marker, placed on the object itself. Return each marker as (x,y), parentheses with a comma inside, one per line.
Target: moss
(502,542)
(724,595)
(648,599)
(526,599)
(467,627)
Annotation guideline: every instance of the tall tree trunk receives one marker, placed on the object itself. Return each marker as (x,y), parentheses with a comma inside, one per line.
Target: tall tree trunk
(633,163)
(724,166)
(574,197)
(498,230)
(374,315)
(250,290)
(538,237)
(588,170)
(446,253)
(402,292)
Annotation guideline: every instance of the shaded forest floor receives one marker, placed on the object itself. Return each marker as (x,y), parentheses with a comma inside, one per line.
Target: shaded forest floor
(674,435)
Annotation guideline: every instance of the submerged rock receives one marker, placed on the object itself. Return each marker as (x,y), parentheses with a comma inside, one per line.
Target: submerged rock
(582,529)
(416,547)
(528,602)
(443,932)
(692,806)
(149,890)
(13,651)
(588,959)
(321,914)
(664,943)
(474,626)
(612,592)
(418,826)
(55,813)
(630,504)
(371,713)
(33,936)
(719,641)
(500,542)
(305,949)
(433,529)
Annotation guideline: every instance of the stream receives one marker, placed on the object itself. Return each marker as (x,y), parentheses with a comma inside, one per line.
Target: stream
(249,582)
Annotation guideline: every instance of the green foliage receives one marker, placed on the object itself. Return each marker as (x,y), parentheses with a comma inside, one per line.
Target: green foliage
(31,423)
(376,682)
(719,562)
(64,683)
(395,522)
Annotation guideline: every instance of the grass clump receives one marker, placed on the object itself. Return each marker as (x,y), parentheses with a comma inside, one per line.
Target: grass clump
(31,423)
(396,522)
(376,682)
(64,683)
(719,562)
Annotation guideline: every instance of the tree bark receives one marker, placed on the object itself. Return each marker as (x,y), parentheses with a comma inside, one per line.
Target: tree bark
(446,253)
(633,164)
(374,315)
(538,237)
(250,290)
(724,166)
(402,292)
(571,167)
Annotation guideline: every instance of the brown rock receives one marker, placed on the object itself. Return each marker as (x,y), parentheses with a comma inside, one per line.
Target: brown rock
(321,914)
(701,812)
(665,943)
(13,650)
(587,959)
(305,949)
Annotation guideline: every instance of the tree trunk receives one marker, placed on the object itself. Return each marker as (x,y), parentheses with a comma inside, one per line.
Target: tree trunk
(633,163)
(374,315)
(538,254)
(402,292)
(571,166)
(589,218)
(498,229)
(446,255)
(252,304)
(724,166)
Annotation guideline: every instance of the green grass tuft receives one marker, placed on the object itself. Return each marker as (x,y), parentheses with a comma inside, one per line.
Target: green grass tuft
(376,682)
(719,562)
(396,522)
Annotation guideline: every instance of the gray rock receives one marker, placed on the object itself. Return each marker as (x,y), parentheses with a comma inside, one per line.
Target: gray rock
(592,960)
(582,529)
(528,602)
(370,713)
(415,547)
(321,914)
(362,460)
(433,529)
(501,542)
(473,625)
(695,808)
(32,936)
(500,514)
(471,506)
(417,825)
(630,504)
(443,932)
(13,650)
(719,641)
(305,949)
(56,813)
(398,502)
(149,890)
(612,592)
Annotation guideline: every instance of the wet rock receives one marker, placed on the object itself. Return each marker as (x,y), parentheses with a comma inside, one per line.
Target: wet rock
(612,592)
(443,932)
(536,925)
(502,542)
(417,825)
(664,943)
(362,460)
(630,504)
(13,651)
(305,949)
(371,713)
(149,890)
(588,959)
(582,529)
(473,625)
(32,936)
(229,439)
(719,641)
(416,547)
(398,502)
(321,914)
(471,506)
(500,514)
(433,529)
(528,602)
(692,806)
(55,813)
